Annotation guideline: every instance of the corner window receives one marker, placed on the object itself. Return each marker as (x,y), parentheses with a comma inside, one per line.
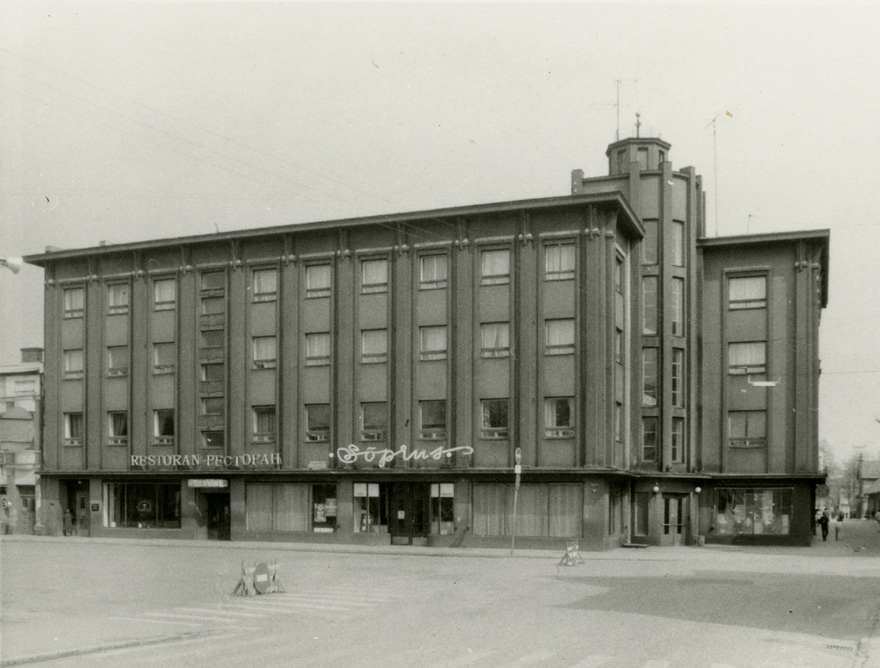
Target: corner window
(650,438)
(649,377)
(495,416)
(164,358)
(117,298)
(747,358)
(164,294)
(117,361)
(73,364)
(559,262)
(559,335)
(318,349)
(495,267)
(163,426)
(433,272)
(317,280)
(117,429)
(264,352)
(678,250)
(264,423)
(74,302)
(649,305)
(650,245)
(747,292)
(678,307)
(265,285)
(432,420)
(374,276)
(432,343)
(374,421)
(374,346)
(559,417)
(73,429)
(747,429)
(318,422)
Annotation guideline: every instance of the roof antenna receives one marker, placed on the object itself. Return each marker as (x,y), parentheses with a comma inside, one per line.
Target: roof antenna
(638,125)
(715,154)
(617,104)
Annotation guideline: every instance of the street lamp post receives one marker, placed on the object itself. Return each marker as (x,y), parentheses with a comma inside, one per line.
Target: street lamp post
(517,469)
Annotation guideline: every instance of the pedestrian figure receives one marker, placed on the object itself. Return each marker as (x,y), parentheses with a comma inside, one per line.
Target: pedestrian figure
(823,524)
(838,525)
(68,523)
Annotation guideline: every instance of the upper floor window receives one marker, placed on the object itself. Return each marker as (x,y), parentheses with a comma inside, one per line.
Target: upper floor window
(211,338)
(495,267)
(678,377)
(650,438)
(264,352)
(495,418)
(678,243)
(213,439)
(747,292)
(650,244)
(649,377)
(559,417)
(643,158)
(747,358)
(73,364)
(117,298)
(432,420)
(374,276)
(117,361)
(678,307)
(212,373)
(264,423)
(73,428)
(74,302)
(676,450)
(213,405)
(213,305)
(117,429)
(163,426)
(433,272)
(559,335)
(164,294)
(265,285)
(318,422)
(495,339)
(374,346)
(374,421)
(432,343)
(318,349)
(318,280)
(164,357)
(747,429)
(214,281)
(649,305)
(619,275)
(559,262)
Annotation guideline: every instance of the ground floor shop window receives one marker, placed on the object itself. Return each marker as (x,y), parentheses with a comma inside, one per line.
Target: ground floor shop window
(442,509)
(752,511)
(554,511)
(142,505)
(290,507)
(371,507)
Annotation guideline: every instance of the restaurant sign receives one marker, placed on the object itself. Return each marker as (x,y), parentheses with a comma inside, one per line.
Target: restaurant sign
(206,462)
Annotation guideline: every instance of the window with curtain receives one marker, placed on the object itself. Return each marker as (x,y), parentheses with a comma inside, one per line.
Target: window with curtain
(495,267)
(374,346)
(163,426)
(650,438)
(117,428)
(117,361)
(73,364)
(164,357)
(745,292)
(277,507)
(433,272)
(649,305)
(559,417)
(678,307)
(318,422)
(371,507)
(650,243)
(73,428)
(747,429)
(318,280)
(264,352)
(554,510)
(318,349)
(753,511)
(559,337)
(432,420)
(117,298)
(495,339)
(559,262)
(164,294)
(432,343)
(678,252)
(495,414)
(264,423)
(747,358)
(265,285)
(677,454)
(74,302)
(374,421)
(649,377)
(678,377)
(374,276)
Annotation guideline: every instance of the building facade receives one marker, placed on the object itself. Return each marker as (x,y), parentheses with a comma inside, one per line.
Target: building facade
(382,380)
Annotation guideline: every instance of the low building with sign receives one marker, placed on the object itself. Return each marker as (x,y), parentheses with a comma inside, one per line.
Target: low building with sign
(376,380)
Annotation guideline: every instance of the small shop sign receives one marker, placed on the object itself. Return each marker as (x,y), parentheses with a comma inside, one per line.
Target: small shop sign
(207,482)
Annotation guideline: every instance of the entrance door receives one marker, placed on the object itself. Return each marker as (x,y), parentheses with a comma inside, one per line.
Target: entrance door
(408,523)
(675,516)
(82,512)
(218,516)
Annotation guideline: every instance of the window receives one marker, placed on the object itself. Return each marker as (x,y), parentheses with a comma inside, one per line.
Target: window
(559,262)
(650,244)
(73,428)
(677,449)
(622,161)
(213,293)
(212,373)
(214,281)
(211,338)
(495,339)
(495,267)
(619,276)
(142,505)
(25,387)
(649,377)
(432,420)
(164,294)
(290,507)
(661,158)
(164,358)
(747,292)
(374,346)
(743,511)
(747,429)
(318,349)
(649,305)
(317,280)
(117,428)
(213,439)
(163,426)
(371,507)
(618,421)
(559,335)
(432,342)
(640,513)
(650,438)
(544,510)
(495,417)
(117,298)
(559,417)
(747,358)
(74,302)
(643,159)
(264,352)
(374,421)
(618,346)
(375,276)
(678,377)
(213,405)
(213,305)
(264,423)
(117,361)
(318,422)
(265,285)
(443,508)
(678,307)
(73,364)
(433,272)
(678,243)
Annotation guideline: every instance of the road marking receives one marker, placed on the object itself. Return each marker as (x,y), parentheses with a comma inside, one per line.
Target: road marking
(593,661)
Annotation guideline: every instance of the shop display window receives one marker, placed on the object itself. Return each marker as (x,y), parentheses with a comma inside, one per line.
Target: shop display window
(142,505)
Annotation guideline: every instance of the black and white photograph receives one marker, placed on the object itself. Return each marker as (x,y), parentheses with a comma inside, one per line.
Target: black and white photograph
(439,335)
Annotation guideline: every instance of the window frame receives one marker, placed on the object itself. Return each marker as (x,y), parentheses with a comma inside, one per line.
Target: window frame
(494,352)
(317,360)
(113,368)
(430,355)
(160,369)
(71,420)
(118,297)
(556,430)
(678,378)
(566,348)
(747,441)
(321,434)
(158,421)
(208,436)
(114,438)
(374,287)
(644,447)
(494,279)
(564,272)
(748,303)
(489,432)
(258,413)
(677,296)
(70,310)
(757,369)
(429,280)
(260,294)
(678,444)
(433,432)
(311,273)
(373,433)
(380,336)
(259,362)
(69,357)
(164,304)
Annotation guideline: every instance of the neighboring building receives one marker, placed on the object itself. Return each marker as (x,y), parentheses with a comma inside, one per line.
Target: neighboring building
(376,380)
(20,445)
(869,484)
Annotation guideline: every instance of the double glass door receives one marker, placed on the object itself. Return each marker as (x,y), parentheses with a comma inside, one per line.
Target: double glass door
(408,521)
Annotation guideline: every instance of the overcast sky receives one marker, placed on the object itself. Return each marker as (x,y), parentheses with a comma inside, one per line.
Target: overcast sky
(129,121)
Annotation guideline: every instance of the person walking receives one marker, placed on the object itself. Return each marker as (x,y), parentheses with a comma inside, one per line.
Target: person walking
(823,524)
(838,525)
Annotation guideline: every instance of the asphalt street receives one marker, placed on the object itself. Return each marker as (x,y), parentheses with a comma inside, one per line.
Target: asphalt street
(104,602)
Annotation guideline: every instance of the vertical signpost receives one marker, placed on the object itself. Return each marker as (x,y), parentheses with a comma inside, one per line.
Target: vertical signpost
(517,469)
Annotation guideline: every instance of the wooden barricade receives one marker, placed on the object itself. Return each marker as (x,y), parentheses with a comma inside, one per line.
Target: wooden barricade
(572,556)
(259,578)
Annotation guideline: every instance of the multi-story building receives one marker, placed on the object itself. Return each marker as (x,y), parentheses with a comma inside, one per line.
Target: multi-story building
(384,379)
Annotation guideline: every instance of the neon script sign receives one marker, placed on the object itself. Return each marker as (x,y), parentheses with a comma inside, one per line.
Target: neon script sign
(350,454)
